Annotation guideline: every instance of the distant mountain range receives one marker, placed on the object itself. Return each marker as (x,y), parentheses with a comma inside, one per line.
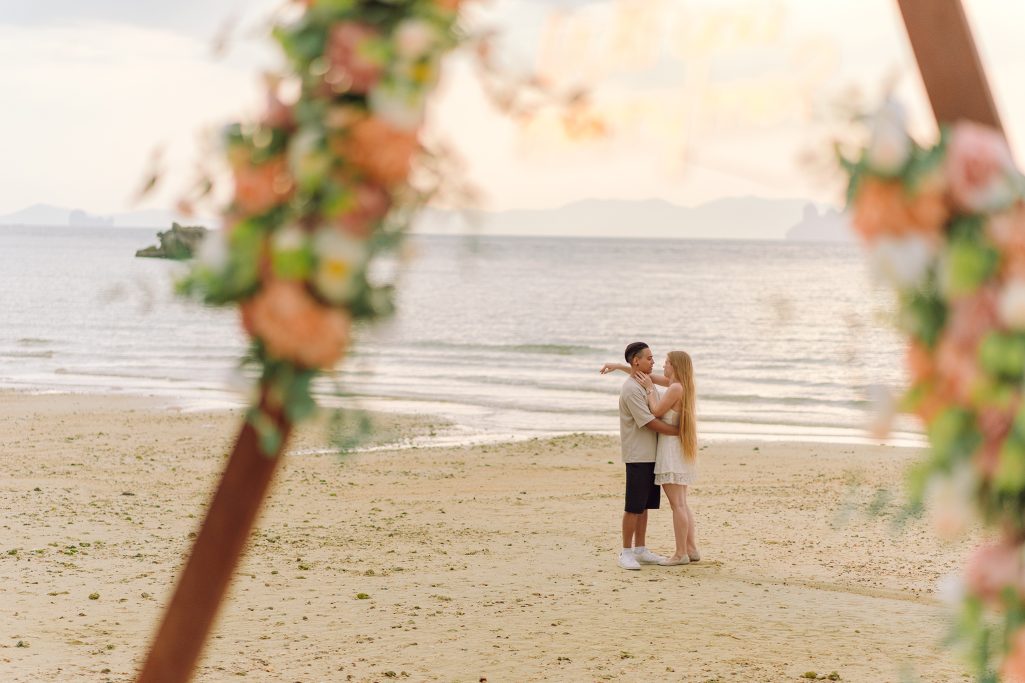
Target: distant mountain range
(730,218)
(750,218)
(48,215)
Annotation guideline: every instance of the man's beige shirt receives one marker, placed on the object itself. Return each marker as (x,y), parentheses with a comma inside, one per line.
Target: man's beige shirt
(638,442)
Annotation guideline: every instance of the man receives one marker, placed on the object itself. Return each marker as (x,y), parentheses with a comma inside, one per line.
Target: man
(638,434)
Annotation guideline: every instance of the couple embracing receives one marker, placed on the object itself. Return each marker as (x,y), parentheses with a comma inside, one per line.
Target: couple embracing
(658,432)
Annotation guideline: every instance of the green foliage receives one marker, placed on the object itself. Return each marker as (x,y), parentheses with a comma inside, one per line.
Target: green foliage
(954,437)
(970,259)
(923,314)
(1002,355)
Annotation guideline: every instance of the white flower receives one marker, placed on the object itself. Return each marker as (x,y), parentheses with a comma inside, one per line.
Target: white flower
(289,239)
(951,589)
(400,106)
(308,160)
(339,261)
(890,146)
(902,261)
(949,501)
(414,38)
(1012,304)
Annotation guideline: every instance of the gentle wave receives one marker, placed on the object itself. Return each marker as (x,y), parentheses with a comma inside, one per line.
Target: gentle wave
(527,349)
(33,341)
(26,354)
(488,347)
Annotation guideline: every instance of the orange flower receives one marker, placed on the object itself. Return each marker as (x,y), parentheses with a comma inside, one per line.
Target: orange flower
(956,360)
(919,362)
(370,204)
(930,405)
(994,423)
(1013,669)
(883,207)
(1007,231)
(294,326)
(260,187)
(381,151)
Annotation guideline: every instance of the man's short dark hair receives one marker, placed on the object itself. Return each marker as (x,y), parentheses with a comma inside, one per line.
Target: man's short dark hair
(633,349)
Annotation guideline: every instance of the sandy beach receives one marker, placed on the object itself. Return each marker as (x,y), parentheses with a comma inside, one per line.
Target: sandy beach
(491,562)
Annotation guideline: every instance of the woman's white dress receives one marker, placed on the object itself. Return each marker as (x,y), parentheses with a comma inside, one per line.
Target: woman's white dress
(670,465)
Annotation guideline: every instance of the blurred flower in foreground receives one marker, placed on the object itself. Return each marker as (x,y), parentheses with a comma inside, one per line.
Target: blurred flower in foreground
(944,226)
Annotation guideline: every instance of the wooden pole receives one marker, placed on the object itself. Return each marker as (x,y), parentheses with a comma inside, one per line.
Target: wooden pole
(949,62)
(215,555)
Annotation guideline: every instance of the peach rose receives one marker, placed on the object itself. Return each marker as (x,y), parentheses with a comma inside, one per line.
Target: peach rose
(919,362)
(381,151)
(994,423)
(991,568)
(1013,668)
(260,187)
(979,169)
(956,363)
(350,69)
(370,204)
(883,207)
(931,404)
(294,326)
(1007,231)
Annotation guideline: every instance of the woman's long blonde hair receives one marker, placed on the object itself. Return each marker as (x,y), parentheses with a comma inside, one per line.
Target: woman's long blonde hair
(683,368)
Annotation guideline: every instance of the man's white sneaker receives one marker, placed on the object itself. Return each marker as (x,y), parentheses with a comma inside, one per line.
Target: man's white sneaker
(627,560)
(648,557)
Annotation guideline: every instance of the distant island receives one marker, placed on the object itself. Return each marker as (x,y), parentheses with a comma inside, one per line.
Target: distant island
(179,243)
(829,226)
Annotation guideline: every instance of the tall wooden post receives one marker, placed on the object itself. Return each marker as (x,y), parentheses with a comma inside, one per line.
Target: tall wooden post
(215,555)
(949,62)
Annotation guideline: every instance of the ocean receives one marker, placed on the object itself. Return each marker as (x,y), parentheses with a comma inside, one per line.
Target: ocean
(500,336)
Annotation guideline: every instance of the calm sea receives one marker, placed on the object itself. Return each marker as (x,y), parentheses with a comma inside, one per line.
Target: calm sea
(503,336)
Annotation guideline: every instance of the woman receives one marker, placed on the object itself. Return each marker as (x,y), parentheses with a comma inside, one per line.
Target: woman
(675,457)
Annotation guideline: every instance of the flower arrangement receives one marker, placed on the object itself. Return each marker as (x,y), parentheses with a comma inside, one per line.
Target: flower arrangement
(945,226)
(322,188)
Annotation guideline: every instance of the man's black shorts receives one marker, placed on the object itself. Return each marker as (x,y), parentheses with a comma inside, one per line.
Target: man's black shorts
(641,491)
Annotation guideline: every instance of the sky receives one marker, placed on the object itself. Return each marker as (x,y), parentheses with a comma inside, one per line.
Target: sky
(701,99)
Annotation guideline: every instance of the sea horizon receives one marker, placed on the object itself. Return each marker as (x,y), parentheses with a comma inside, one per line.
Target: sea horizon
(501,336)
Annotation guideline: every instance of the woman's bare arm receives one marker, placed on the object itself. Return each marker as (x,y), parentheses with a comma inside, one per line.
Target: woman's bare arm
(660,407)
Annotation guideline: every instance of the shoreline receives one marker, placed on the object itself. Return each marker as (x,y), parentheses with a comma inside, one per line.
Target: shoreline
(452,433)
(493,561)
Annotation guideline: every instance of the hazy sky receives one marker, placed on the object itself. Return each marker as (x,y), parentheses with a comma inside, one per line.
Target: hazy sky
(703,98)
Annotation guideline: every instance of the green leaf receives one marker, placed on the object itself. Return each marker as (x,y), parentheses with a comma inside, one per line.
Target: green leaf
(267,432)
(1003,356)
(299,402)
(923,314)
(954,437)
(1010,474)
(292,265)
